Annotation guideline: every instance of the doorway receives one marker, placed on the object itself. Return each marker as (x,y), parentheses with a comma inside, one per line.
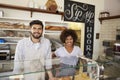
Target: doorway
(80,30)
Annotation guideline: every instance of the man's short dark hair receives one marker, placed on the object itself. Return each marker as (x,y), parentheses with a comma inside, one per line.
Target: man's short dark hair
(36,22)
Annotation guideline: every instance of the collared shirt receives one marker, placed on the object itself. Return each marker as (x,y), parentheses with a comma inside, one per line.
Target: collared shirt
(32,57)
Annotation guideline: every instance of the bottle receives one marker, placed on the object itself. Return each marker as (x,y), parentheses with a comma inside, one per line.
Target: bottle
(101,71)
(36,5)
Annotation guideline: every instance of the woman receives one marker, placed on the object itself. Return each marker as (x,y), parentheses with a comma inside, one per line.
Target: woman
(68,54)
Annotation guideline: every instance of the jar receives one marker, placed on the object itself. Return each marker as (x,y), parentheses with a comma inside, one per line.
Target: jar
(1,13)
(104,14)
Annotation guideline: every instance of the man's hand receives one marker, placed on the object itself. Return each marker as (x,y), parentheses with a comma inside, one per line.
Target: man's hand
(53,78)
(16,79)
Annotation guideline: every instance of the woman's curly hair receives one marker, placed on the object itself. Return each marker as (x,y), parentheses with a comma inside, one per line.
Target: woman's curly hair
(68,32)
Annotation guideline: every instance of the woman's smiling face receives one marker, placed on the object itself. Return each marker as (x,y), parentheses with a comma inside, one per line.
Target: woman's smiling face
(69,41)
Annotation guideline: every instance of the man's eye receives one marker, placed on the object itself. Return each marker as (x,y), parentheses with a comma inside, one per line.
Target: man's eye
(39,28)
(33,28)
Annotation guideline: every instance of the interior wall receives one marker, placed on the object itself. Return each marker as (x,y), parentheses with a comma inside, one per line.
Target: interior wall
(99,6)
(113,7)
(108,32)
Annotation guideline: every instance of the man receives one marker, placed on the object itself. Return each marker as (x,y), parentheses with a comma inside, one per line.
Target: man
(32,54)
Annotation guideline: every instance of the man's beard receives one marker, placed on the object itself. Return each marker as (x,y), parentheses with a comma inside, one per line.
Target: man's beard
(36,37)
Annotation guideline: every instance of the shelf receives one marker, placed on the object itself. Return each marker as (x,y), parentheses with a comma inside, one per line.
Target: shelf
(108,18)
(15,18)
(15,29)
(12,37)
(52,31)
(8,43)
(117,53)
(5,51)
(30,9)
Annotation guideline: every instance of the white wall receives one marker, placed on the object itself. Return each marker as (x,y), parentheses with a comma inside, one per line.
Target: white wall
(99,6)
(109,30)
(112,6)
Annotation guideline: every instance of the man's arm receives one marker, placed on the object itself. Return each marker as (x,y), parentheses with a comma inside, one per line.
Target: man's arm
(51,77)
(48,63)
(18,60)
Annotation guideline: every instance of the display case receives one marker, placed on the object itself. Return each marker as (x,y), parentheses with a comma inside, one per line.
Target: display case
(88,70)
(11,31)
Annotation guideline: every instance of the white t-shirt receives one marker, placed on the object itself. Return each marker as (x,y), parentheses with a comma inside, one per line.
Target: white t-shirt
(68,58)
